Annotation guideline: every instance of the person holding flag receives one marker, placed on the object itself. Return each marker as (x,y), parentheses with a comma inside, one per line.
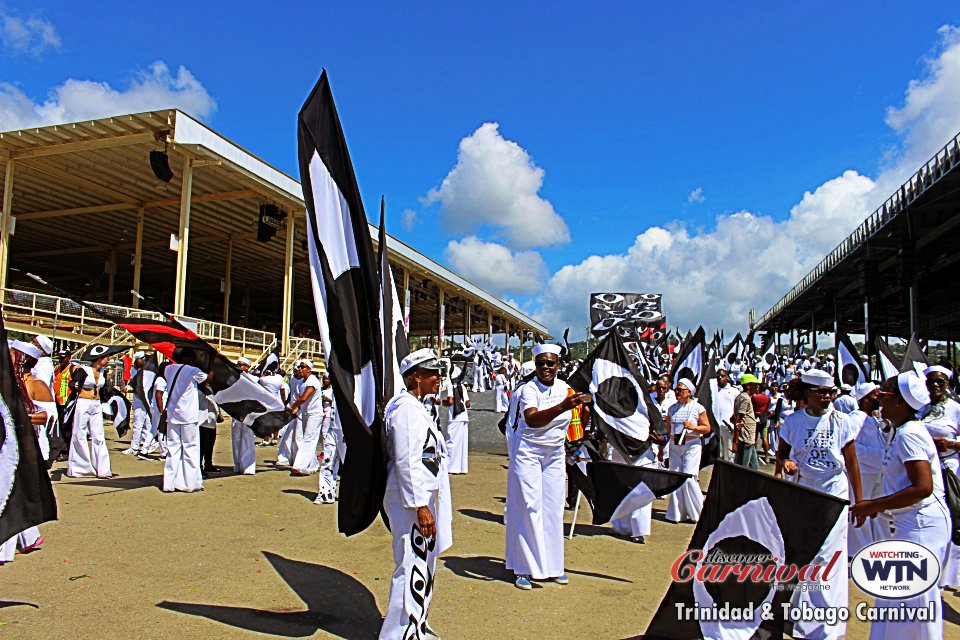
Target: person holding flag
(88,422)
(688,421)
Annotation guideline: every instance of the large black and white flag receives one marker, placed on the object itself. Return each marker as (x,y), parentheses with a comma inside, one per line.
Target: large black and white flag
(395,344)
(690,360)
(622,407)
(704,395)
(616,490)
(886,358)
(850,369)
(746,513)
(346,294)
(914,359)
(733,351)
(624,312)
(768,353)
(116,405)
(26,495)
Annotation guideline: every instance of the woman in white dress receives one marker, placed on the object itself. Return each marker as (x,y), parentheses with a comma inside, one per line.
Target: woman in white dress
(816,446)
(458,425)
(913,496)
(871,445)
(500,389)
(688,421)
(941,417)
(88,423)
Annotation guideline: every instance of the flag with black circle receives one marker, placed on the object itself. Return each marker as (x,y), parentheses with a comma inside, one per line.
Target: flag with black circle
(733,351)
(26,494)
(690,360)
(616,490)
(850,369)
(622,408)
(747,512)
(97,351)
(886,358)
(347,297)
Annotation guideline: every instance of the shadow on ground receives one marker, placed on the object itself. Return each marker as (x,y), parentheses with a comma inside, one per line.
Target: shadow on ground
(490,569)
(10,603)
(309,495)
(336,603)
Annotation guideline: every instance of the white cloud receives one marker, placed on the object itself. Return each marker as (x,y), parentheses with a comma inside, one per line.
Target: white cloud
(496,268)
(696,196)
(495,185)
(27,35)
(74,100)
(714,276)
(409,219)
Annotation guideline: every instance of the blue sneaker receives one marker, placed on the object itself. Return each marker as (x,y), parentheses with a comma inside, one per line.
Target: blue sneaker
(562,580)
(523,582)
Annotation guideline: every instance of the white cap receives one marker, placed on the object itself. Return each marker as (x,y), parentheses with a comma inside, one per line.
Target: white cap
(45,344)
(689,386)
(305,362)
(546,348)
(829,357)
(246,361)
(863,389)
(938,369)
(424,358)
(913,389)
(846,388)
(138,355)
(26,348)
(817,378)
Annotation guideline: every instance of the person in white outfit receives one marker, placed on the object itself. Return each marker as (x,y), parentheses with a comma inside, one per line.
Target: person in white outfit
(871,445)
(141,412)
(458,426)
(816,447)
(44,369)
(242,438)
(913,495)
(88,423)
(416,500)
(688,421)
(500,391)
(308,408)
(723,395)
(941,417)
(272,381)
(181,469)
(291,435)
(536,476)
(153,439)
(331,438)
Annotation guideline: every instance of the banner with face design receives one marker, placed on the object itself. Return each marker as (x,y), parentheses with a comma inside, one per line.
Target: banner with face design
(636,316)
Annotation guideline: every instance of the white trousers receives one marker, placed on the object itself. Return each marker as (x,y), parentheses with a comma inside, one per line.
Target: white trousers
(141,421)
(686,503)
(457,445)
(411,587)
(333,452)
(92,460)
(874,529)
(181,469)
(244,448)
(306,458)
(536,492)
(726,442)
(152,436)
(290,440)
(22,540)
(929,526)
(503,402)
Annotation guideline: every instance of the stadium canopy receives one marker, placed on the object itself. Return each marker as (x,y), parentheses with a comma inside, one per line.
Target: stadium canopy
(82,207)
(896,274)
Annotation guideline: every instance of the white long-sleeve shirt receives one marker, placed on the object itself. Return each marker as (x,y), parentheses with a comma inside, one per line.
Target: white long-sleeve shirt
(414,451)
(183,395)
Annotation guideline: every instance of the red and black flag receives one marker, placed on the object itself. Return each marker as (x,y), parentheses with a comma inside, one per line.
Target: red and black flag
(347,295)
(26,495)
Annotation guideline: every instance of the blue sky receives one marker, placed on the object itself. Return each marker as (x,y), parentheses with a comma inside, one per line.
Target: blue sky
(626,109)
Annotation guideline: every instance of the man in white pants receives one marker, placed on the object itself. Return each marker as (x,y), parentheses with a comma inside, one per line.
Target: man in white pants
(723,394)
(141,412)
(331,437)
(309,409)
(242,437)
(181,470)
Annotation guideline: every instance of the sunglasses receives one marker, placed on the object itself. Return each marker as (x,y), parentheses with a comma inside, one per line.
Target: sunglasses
(546,363)
(823,391)
(885,394)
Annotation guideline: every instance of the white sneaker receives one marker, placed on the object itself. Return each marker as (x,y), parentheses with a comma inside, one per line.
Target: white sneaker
(153,448)
(129,452)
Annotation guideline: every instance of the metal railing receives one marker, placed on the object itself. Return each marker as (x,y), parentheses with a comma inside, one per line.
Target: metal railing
(53,313)
(302,348)
(944,161)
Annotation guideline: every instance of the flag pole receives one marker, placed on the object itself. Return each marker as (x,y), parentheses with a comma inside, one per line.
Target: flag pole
(576,508)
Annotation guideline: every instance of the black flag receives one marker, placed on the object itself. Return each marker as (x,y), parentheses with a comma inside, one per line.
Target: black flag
(747,512)
(850,369)
(689,362)
(622,407)
(144,379)
(343,270)
(616,490)
(704,395)
(26,495)
(886,358)
(914,359)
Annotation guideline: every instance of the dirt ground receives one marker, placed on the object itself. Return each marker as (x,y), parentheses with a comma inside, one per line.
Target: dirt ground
(253,555)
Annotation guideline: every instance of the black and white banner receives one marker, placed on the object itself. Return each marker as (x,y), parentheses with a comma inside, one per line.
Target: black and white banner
(615,490)
(26,495)
(346,295)
(690,360)
(745,513)
(850,369)
(887,367)
(626,312)
(914,359)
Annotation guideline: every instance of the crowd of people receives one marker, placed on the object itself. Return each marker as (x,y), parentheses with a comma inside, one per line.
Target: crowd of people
(883,446)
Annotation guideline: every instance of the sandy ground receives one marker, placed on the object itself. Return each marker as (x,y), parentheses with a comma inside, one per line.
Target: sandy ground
(254,555)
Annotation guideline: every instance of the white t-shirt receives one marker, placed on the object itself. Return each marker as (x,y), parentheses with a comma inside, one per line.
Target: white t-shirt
(817,441)
(461,417)
(186,407)
(845,404)
(723,398)
(680,413)
(314,403)
(869,442)
(911,442)
(273,384)
(44,370)
(161,386)
(942,421)
(536,395)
